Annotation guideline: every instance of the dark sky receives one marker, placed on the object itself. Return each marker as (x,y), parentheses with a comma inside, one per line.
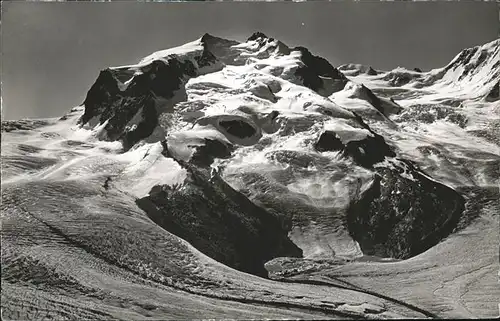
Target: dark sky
(52,52)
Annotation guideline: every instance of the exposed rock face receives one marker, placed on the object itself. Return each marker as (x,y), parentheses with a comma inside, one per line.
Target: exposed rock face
(100,95)
(403,213)
(417,69)
(163,78)
(371,71)
(221,48)
(400,78)
(316,67)
(257,35)
(470,59)
(144,128)
(237,128)
(462,59)
(219,221)
(212,149)
(383,106)
(273,45)
(494,93)
(366,152)
(132,113)
(328,141)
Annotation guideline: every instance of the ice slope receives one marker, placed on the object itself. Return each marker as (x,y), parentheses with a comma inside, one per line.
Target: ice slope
(237,153)
(450,121)
(74,248)
(472,73)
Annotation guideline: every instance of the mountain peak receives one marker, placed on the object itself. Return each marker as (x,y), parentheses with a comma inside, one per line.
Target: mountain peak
(211,38)
(206,35)
(133,95)
(257,35)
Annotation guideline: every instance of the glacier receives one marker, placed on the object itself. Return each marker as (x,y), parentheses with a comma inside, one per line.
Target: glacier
(222,179)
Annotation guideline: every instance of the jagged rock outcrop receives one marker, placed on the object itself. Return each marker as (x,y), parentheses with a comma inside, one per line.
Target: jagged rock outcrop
(366,152)
(400,77)
(238,129)
(315,69)
(271,45)
(371,71)
(210,150)
(403,213)
(100,95)
(221,48)
(131,111)
(462,59)
(494,93)
(219,221)
(258,35)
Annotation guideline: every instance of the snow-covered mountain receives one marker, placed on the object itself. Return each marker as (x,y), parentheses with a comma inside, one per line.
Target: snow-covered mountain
(195,175)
